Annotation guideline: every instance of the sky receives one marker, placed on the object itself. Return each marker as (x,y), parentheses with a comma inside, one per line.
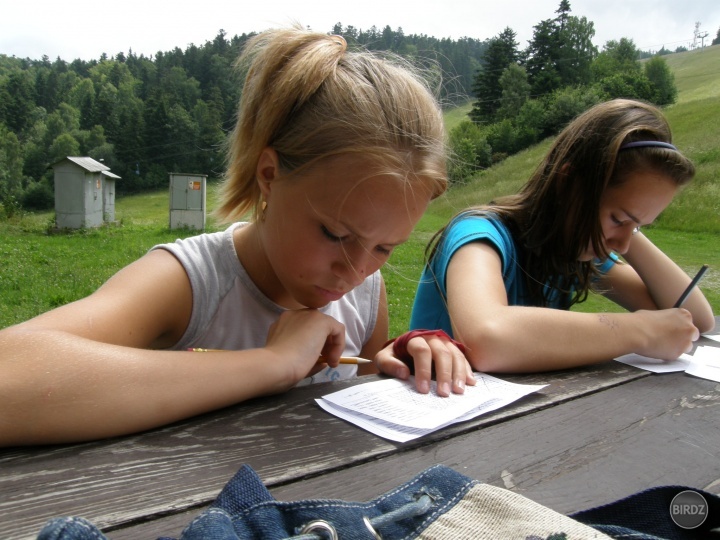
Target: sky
(88,28)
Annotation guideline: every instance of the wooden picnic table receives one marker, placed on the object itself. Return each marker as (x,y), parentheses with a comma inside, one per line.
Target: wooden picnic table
(593,435)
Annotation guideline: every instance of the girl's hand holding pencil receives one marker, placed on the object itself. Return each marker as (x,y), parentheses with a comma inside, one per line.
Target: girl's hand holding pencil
(295,339)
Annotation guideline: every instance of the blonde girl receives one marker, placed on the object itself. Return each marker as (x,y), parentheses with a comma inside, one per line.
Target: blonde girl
(336,155)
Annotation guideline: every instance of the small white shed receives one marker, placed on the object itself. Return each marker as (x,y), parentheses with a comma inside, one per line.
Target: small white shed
(187,200)
(84,193)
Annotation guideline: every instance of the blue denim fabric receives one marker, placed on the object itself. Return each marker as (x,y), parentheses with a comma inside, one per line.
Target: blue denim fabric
(70,528)
(646,516)
(246,510)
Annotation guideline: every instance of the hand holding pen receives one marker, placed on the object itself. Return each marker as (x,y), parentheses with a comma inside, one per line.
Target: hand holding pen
(690,287)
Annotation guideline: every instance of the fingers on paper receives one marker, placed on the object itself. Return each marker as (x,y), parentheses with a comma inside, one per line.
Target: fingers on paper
(434,354)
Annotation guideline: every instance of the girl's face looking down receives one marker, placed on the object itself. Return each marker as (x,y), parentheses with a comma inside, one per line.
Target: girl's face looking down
(325,231)
(637,201)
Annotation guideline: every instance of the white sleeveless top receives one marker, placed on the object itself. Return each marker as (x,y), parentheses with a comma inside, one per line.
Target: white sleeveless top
(230,312)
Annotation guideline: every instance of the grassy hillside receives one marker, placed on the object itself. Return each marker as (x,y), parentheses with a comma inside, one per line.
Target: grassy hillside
(457,114)
(696,73)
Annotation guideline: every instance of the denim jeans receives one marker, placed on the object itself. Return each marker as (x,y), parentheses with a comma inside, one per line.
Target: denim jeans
(438,503)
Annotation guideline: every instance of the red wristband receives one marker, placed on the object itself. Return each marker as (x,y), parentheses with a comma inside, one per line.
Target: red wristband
(400,343)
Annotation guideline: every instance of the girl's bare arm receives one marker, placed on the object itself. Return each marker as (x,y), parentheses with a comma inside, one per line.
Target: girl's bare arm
(503,338)
(652,280)
(89,370)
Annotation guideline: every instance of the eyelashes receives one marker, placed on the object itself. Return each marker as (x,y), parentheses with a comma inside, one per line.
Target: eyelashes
(619,223)
(330,236)
(337,239)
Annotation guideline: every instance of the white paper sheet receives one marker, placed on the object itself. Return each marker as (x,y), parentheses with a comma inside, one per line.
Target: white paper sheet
(655,364)
(705,363)
(394,410)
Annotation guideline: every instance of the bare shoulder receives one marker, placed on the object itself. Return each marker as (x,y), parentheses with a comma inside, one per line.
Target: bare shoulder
(473,260)
(475,284)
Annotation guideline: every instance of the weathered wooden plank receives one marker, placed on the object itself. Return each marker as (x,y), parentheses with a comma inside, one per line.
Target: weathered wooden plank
(659,430)
(284,438)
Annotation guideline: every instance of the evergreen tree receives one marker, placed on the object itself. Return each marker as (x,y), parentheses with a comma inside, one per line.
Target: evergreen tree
(18,96)
(561,52)
(46,81)
(11,166)
(105,109)
(128,140)
(210,137)
(542,55)
(563,15)
(82,97)
(500,53)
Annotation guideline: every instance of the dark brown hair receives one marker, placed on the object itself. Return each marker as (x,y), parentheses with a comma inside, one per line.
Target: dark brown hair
(555,215)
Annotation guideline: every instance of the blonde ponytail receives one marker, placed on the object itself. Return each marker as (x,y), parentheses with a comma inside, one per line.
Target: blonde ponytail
(309,98)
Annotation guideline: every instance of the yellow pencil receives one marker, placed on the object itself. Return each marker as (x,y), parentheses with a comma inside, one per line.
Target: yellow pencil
(343,359)
(351,360)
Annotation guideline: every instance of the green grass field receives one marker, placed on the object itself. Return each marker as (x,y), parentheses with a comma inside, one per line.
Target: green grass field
(39,271)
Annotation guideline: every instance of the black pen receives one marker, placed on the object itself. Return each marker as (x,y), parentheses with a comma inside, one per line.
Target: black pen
(689,289)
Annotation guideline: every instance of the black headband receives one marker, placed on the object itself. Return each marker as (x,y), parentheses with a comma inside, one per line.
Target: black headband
(645,144)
